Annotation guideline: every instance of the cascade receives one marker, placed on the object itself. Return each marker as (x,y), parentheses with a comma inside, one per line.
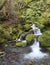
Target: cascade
(21,40)
(36,50)
(36,53)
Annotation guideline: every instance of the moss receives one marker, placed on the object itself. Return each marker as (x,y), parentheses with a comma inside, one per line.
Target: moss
(2,40)
(1,29)
(19,26)
(48,49)
(27,26)
(7,35)
(2,18)
(20,44)
(4,34)
(19,33)
(29,63)
(29,38)
(14,37)
(45,38)
(14,30)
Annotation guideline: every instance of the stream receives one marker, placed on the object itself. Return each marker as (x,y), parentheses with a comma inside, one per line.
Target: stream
(26,55)
(15,56)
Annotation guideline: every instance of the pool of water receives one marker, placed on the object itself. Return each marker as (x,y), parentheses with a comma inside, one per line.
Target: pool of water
(15,56)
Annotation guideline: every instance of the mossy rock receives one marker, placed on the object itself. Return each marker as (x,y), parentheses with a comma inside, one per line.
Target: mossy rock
(48,49)
(29,38)
(29,63)
(20,44)
(27,26)
(45,38)
(1,54)
(2,40)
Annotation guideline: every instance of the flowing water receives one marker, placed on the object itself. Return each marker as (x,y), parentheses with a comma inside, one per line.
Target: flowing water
(25,55)
(21,40)
(36,53)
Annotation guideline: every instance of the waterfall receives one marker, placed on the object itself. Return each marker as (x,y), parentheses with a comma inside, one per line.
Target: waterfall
(36,53)
(20,39)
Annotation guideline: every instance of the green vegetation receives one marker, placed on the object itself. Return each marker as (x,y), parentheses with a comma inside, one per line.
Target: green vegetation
(2,4)
(30,63)
(27,26)
(29,38)
(20,15)
(45,38)
(6,34)
(21,44)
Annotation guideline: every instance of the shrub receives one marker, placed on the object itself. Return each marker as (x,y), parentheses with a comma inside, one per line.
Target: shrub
(27,26)
(45,38)
(19,33)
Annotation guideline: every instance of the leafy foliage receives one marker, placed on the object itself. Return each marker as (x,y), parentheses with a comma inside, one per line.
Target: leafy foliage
(25,12)
(45,38)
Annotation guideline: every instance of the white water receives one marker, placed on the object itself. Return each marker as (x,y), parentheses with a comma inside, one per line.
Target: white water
(20,40)
(36,53)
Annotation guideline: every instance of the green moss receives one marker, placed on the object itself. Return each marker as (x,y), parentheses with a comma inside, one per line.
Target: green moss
(1,29)
(19,26)
(45,38)
(48,49)
(4,34)
(2,40)
(29,63)
(19,33)
(14,37)
(27,26)
(14,30)
(29,38)
(7,35)
(20,44)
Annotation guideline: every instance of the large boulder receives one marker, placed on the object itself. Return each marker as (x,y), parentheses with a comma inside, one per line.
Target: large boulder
(29,38)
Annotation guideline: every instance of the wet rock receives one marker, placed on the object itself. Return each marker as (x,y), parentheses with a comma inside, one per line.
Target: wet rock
(1,54)
(14,63)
